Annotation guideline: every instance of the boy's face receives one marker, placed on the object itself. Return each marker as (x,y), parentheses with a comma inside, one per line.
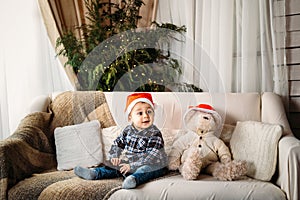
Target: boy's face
(141,115)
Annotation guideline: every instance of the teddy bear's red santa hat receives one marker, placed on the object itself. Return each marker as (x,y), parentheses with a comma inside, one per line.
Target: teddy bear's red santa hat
(206,108)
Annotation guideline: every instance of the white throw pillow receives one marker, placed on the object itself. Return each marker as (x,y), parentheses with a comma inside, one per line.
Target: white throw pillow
(78,144)
(108,135)
(256,142)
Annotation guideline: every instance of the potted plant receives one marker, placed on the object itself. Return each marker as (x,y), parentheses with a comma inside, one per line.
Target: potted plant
(113,54)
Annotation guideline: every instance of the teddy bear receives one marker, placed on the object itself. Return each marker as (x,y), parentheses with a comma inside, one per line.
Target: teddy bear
(200,148)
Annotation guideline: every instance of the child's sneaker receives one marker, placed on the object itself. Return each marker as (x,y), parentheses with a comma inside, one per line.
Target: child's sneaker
(85,173)
(129,182)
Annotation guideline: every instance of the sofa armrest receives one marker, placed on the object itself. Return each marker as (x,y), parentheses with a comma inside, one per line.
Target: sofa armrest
(27,151)
(288,166)
(40,104)
(19,160)
(273,111)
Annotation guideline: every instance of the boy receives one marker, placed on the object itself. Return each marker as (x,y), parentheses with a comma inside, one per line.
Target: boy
(142,144)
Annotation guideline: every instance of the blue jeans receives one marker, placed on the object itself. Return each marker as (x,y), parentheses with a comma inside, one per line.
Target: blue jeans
(142,175)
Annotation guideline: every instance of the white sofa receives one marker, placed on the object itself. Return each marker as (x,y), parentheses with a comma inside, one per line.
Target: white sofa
(233,107)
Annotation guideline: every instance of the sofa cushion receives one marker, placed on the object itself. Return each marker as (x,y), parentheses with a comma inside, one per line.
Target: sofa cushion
(205,187)
(78,144)
(256,142)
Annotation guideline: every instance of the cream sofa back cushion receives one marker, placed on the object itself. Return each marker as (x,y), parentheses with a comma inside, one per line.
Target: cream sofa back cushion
(170,106)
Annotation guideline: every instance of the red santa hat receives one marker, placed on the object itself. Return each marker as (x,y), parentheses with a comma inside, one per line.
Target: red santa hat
(203,107)
(138,97)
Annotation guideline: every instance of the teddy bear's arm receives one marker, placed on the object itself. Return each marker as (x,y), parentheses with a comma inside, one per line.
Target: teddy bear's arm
(223,152)
(178,147)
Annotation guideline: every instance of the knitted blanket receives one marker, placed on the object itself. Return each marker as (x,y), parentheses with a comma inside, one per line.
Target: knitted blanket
(77,188)
(26,152)
(31,148)
(63,185)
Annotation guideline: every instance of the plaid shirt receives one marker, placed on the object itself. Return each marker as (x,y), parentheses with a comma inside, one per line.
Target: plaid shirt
(144,147)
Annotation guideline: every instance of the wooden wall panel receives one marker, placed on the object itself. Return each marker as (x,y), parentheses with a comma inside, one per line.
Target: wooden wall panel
(294,72)
(293,61)
(294,88)
(294,104)
(292,7)
(293,23)
(293,56)
(293,39)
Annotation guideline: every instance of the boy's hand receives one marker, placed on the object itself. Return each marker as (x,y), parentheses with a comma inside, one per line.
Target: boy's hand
(124,168)
(115,161)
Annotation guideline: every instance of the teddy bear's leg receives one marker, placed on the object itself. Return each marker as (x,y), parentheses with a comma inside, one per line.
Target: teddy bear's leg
(174,164)
(219,170)
(192,166)
(229,171)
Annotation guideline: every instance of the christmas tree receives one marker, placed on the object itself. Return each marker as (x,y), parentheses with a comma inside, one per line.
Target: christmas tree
(114,55)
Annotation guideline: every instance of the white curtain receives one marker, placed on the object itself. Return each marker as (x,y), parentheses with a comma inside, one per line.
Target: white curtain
(28,66)
(232,45)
